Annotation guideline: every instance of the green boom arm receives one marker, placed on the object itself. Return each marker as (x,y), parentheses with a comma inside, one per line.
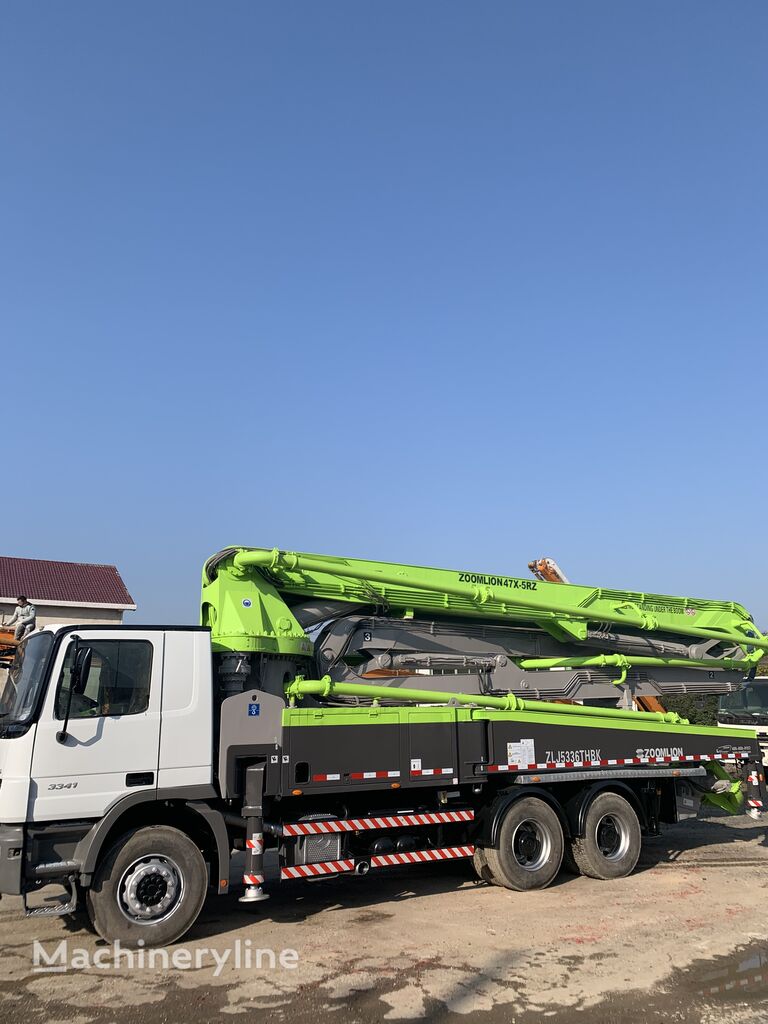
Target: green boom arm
(243,603)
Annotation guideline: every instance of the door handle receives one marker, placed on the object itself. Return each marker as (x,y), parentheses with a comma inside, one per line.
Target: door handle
(139,778)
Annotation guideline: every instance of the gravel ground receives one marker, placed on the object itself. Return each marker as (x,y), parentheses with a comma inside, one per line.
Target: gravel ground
(685,938)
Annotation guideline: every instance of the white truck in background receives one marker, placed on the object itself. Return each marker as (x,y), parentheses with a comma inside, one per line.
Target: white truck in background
(747,708)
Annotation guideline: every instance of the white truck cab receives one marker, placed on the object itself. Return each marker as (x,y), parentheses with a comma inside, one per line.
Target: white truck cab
(74,756)
(747,708)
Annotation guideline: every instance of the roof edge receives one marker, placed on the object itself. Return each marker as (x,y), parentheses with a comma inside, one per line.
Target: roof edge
(72,604)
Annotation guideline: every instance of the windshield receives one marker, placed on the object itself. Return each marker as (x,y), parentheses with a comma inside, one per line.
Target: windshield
(752,700)
(25,678)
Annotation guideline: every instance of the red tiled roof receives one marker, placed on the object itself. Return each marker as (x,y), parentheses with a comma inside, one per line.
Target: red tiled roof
(45,581)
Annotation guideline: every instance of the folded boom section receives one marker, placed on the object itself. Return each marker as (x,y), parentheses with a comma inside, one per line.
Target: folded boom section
(457,631)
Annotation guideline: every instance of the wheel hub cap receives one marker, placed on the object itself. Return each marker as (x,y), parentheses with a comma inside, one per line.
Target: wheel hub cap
(531,845)
(150,890)
(611,837)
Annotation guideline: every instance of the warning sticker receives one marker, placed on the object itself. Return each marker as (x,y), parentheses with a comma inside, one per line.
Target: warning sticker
(522,752)
(415,764)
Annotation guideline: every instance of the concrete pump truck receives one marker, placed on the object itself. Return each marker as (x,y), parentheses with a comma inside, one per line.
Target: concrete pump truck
(352,716)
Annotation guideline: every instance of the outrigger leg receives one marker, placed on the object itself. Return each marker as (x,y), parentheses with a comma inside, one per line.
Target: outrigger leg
(253,876)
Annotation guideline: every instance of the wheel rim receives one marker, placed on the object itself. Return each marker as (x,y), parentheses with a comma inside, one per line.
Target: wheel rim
(531,844)
(612,837)
(150,890)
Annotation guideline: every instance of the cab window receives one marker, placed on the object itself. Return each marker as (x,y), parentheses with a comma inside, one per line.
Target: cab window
(117,682)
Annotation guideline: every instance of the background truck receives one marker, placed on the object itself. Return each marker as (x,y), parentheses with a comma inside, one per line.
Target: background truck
(747,708)
(353,716)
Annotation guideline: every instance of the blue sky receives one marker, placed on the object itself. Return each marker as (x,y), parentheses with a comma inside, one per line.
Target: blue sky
(456,284)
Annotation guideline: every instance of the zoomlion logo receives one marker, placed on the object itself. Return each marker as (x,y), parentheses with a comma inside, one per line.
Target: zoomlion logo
(689,611)
(659,752)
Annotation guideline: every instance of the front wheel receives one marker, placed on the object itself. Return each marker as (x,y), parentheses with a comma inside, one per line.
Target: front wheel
(150,886)
(530,846)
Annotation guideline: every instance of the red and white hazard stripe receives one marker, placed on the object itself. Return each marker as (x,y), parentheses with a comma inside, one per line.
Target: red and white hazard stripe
(386,773)
(755,803)
(603,763)
(314,828)
(419,856)
(323,867)
(253,879)
(375,775)
(256,842)
(431,771)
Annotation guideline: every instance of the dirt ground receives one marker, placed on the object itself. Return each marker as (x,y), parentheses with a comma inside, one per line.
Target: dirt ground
(683,939)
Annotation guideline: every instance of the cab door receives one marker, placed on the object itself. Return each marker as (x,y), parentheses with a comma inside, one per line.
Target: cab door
(112,741)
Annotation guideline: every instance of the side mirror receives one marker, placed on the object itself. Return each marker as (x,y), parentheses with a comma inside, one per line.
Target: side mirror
(81,666)
(80,669)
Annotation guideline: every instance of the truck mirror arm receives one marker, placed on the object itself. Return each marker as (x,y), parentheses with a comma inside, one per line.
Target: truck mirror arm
(81,666)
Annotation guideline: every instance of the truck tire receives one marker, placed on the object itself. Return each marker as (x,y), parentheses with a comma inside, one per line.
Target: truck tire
(480,864)
(610,846)
(150,886)
(530,846)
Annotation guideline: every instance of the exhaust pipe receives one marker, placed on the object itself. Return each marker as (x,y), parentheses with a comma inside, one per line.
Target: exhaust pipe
(362,867)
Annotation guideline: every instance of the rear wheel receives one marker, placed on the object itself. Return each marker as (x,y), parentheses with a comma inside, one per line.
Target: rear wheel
(150,886)
(530,846)
(610,846)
